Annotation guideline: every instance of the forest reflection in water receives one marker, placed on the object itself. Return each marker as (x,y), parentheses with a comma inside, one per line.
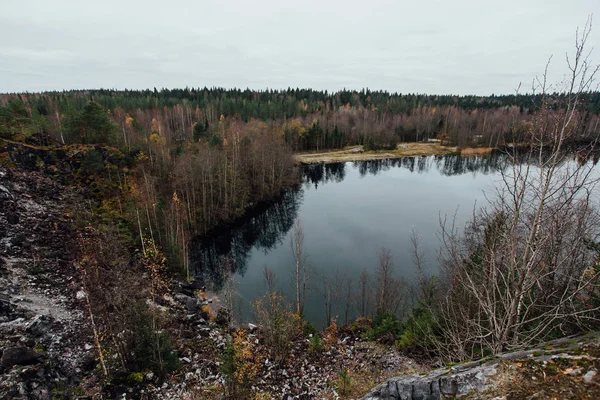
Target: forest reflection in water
(349,210)
(263,228)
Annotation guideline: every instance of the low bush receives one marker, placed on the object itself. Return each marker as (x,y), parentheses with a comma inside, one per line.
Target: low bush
(418,332)
(315,345)
(361,325)
(309,329)
(386,326)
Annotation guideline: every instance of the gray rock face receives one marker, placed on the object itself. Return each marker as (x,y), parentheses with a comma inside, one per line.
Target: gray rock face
(439,384)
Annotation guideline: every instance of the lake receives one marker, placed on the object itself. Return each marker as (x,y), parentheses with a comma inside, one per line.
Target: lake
(349,211)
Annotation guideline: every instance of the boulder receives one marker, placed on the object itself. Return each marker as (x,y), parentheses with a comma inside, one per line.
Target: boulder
(182,298)
(19,356)
(192,305)
(12,218)
(223,317)
(39,325)
(589,376)
(436,385)
(5,194)
(188,288)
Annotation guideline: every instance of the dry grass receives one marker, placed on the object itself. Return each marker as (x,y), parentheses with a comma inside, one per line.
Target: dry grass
(556,379)
(357,154)
(476,151)
(547,377)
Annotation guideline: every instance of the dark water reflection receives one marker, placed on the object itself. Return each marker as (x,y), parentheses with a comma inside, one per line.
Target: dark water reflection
(263,228)
(447,165)
(349,211)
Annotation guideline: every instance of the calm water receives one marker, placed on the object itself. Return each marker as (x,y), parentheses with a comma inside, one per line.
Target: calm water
(349,211)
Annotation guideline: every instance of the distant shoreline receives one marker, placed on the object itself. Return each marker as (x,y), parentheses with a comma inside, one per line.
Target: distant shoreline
(356,153)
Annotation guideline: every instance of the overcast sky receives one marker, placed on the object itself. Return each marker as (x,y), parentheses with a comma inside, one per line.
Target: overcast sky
(450,46)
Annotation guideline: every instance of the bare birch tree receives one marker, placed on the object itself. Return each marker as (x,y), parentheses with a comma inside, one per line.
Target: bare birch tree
(301,273)
(388,293)
(424,293)
(229,288)
(331,290)
(269,276)
(524,269)
(364,292)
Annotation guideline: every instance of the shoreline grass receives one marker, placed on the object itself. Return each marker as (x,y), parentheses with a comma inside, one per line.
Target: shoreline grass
(356,153)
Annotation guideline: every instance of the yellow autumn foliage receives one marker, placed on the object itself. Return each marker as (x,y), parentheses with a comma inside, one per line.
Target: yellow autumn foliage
(158,140)
(154,125)
(128,121)
(247,359)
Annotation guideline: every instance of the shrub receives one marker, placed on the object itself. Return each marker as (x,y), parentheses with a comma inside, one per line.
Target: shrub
(361,325)
(240,364)
(344,382)
(228,360)
(132,336)
(278,325)
(309,329)
(135,377)
(151,349)
(315,345)
(418,331)
(331,334)
(385,325)
(92,163)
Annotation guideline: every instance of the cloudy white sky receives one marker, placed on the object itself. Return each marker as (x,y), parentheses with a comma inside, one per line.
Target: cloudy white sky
(425,46)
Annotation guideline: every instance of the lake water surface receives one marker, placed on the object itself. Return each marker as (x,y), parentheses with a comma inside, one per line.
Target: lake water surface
(349,211)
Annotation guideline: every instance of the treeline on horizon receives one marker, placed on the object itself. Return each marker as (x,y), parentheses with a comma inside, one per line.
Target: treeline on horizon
(305,119)
(273,103)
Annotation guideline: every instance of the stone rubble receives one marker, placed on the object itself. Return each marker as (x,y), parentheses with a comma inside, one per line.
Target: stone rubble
(43,327)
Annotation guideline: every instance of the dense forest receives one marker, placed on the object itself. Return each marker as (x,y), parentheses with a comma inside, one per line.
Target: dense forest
(305,119)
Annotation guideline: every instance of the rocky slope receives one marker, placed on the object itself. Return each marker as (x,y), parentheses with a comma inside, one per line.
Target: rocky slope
(44,334)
